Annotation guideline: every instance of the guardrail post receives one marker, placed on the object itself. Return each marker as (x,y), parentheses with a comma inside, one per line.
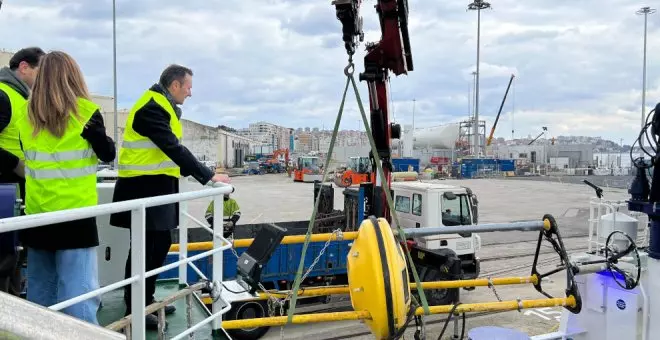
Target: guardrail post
(218,222)
(183,243)
(138,330)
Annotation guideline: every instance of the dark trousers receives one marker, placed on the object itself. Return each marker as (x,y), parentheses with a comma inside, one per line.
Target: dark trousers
(157,245)
(10,273)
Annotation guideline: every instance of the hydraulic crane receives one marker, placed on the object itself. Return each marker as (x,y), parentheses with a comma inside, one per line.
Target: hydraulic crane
(391,54)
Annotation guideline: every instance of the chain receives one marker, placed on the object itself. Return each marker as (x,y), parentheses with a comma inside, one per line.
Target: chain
(491,285)
(274,302)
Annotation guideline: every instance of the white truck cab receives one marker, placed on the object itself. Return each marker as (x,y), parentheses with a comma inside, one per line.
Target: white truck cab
(428,204)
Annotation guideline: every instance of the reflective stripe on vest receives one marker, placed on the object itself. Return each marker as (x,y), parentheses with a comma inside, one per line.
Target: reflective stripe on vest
(9,135)
(138,155)
(60,173)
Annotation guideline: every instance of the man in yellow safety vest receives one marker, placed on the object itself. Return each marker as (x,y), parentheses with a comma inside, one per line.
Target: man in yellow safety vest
(231,213)
(15,84)
(151,161)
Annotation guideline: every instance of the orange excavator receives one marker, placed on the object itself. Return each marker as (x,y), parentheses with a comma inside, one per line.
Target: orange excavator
(274,164)
(357,171)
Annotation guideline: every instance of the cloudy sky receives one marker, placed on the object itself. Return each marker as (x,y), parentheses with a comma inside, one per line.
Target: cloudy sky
(578,64)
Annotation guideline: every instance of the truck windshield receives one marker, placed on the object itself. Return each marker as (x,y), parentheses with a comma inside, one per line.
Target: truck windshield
(456,211)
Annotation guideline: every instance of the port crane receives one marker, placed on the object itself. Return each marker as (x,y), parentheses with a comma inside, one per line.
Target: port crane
(497,118)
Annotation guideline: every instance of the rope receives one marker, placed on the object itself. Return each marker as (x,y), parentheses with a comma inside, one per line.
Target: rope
(296,284)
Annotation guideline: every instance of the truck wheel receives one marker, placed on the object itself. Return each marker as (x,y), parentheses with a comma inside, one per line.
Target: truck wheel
(248,310)
(438,297)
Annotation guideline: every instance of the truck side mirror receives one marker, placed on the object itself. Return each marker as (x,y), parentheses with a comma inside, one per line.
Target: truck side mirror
(449,195)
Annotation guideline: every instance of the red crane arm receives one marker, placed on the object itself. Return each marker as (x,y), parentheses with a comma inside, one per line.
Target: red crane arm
(391,54)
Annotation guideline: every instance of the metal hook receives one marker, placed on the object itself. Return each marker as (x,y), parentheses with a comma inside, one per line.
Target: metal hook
(349,69)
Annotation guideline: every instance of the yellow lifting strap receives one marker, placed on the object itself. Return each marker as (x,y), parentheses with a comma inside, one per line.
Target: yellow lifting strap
(308,235)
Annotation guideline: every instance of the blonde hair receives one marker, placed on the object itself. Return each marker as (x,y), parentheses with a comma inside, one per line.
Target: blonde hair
(57,87)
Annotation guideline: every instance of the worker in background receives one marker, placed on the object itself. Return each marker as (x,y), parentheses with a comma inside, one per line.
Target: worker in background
(230,211)
(151,161)
(15,84)
(63,137)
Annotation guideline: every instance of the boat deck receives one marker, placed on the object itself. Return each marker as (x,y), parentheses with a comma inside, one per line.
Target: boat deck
(113,310)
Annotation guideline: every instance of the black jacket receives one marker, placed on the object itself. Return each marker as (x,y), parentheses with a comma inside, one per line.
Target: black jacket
(8,161)
(79,233)
(153,122)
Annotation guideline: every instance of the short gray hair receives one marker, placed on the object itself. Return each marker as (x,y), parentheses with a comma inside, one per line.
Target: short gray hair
(172,73)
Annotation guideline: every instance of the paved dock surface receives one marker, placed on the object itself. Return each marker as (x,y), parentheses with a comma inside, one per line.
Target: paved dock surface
(273,198)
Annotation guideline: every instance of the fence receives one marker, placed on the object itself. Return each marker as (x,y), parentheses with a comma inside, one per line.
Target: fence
(135,327)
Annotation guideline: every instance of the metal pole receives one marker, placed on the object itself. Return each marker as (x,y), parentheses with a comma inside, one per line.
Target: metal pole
(646,11)
(413,119)
(476,93)
(477,5)
(478,228)
(114,77)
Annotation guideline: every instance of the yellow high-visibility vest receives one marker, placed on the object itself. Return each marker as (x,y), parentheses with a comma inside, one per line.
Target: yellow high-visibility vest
(9,135)
(138,155)
(60,173)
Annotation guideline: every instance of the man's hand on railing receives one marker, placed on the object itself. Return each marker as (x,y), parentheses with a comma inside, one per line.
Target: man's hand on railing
(223,178)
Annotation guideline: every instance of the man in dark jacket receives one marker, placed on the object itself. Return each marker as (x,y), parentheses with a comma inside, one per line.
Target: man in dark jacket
(15,84)
(151,160)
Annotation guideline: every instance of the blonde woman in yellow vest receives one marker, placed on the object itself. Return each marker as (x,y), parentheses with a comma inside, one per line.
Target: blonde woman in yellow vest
(63,137)
(15,83)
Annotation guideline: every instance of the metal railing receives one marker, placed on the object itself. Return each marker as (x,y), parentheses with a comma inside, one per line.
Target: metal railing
(599,207)
(137,207)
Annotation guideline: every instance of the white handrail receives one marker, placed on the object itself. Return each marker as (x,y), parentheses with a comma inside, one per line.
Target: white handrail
(138,273)
(22,319)
(37,220)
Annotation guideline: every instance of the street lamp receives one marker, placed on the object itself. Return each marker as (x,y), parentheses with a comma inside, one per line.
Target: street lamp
(645,11)
(477,5)
(114,76)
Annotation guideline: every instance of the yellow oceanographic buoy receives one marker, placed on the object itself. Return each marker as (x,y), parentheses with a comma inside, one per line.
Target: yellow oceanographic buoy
(378,278)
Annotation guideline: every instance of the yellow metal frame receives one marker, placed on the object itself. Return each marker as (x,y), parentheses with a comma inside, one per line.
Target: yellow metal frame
(379,286)
(292,239)
(364,315)
(344,290)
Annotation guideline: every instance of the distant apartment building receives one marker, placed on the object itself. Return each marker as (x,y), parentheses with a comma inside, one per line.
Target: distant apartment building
(267,133)
(4,57)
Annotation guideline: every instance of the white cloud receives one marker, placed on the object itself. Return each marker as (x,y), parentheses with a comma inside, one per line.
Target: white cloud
(577,64)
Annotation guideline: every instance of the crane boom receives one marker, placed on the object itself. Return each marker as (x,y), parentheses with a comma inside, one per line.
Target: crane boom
(391,54)
(537,137)
(497,118)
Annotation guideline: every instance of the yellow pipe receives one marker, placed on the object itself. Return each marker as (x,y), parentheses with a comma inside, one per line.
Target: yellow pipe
(500,306)
(297,319)
(362,315)
(343,290)
(293,239)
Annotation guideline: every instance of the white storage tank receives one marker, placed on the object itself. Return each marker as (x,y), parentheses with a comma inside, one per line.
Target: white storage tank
(621,222)
(437,137)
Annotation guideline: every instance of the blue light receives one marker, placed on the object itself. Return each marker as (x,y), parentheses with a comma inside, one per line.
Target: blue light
(608,274)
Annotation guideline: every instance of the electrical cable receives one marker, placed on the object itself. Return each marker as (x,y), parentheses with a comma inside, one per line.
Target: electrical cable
(449,316)
(233,292)
(652,144)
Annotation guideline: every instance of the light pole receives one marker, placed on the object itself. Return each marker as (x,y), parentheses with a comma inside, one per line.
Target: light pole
(646,11)
(477,5)
(114,77)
